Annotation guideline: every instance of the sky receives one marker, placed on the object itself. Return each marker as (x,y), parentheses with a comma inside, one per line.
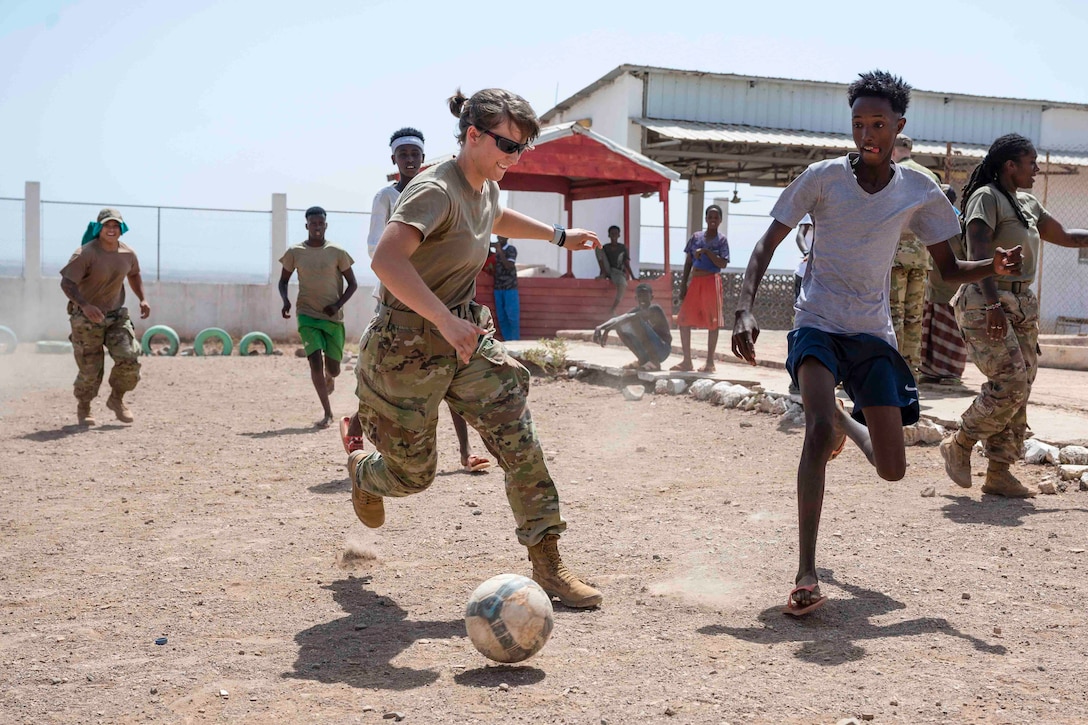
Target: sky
(220,103)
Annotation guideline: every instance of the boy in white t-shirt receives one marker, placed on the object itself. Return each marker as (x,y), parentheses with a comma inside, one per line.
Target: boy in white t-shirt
(860,204)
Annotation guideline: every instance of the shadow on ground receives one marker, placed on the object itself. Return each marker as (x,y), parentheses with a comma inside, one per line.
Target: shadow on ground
(338,652)
(49,436)
(282,432)
(994,510)
(830,636)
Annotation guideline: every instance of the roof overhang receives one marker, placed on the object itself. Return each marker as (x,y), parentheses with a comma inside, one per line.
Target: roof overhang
(774,157)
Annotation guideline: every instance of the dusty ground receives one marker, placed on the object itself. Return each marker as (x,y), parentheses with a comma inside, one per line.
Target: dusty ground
(218,518)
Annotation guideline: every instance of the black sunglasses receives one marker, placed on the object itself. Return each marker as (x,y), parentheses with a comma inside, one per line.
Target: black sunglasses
(506,145)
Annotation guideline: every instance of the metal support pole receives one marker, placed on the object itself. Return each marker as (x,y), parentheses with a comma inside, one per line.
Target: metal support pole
(158,244)
(32,230)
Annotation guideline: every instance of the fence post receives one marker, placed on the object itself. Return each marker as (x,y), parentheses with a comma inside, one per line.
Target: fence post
(32,230)
(279,235)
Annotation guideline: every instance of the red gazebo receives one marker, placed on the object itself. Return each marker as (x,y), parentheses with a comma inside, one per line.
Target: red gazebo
(572,160)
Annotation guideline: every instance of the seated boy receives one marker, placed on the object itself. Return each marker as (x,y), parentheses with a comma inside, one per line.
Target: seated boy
(644,330)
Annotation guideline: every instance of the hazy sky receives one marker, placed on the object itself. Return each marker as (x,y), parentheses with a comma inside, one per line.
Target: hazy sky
(220,104)
(213,103)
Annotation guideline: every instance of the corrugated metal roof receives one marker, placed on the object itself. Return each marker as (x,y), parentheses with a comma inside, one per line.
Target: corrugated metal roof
(645,69)
(697,131)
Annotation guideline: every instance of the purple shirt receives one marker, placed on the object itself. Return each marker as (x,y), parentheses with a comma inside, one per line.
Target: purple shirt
(718,244)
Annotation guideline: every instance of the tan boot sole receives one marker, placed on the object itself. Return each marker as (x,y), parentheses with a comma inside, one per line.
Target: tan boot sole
(946,454)
(368,508)
(120,411)
(593,600)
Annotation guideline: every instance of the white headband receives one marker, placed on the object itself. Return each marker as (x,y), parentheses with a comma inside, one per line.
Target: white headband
(406,141)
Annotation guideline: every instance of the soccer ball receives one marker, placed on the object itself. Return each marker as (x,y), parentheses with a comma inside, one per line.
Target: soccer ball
(509,618)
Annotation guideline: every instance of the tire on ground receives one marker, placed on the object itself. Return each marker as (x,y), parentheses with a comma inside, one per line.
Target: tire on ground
(165,331)
(216,332)
(8,340)
(254,337)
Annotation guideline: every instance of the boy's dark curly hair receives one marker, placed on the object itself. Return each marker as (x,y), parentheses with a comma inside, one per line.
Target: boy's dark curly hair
(881,84)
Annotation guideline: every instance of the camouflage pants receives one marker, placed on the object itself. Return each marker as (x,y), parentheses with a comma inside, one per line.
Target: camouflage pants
(405,370)
(999,415)
(116,335)
(907,294)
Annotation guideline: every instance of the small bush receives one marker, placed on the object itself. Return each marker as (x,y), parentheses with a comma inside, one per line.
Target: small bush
(550,356)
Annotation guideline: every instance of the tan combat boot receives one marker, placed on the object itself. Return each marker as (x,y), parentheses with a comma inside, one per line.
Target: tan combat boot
(1001,482)
(369,508)
(957,459)
(117,405)
(83,413)
(552,575)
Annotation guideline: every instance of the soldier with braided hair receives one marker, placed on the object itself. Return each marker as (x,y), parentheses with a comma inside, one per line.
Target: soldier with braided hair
(1000,318)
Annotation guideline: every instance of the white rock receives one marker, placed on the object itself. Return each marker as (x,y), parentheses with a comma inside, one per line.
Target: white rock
(1075,455)
(677,386)
(1048,487)
(1083,482)
(1035,451)
(924,432)
(1070,472)
(701,389)
(929,492)
(633,392)
(661,386)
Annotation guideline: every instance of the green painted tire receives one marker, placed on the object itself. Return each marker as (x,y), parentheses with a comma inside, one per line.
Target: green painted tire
(202,337)
(8,340)
(153,331)
(252,337)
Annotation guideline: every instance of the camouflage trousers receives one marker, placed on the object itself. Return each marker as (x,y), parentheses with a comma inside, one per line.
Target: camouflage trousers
(405,370)
(90,340)
(907,294)
(999,415)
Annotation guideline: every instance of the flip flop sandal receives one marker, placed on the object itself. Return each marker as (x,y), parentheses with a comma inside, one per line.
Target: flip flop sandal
(476,463)
(682,368)
(351,443)
(842,444)
(793,609)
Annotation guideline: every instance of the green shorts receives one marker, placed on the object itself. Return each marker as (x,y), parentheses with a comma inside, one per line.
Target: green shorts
(322,335)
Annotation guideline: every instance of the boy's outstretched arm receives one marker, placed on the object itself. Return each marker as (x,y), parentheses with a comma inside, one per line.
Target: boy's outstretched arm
(745,329)
(1004,262)
(285,277)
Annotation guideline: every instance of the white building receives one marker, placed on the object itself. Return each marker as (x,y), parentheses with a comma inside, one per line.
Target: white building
(765,131)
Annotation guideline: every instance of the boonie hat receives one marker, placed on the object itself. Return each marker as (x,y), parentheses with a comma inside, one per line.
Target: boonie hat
(110,215)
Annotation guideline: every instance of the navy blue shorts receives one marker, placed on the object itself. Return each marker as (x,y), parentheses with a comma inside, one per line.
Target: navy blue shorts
(871,371)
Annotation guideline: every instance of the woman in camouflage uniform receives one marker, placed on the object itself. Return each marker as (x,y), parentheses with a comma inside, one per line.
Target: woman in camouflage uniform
(430,342)
(1000,318)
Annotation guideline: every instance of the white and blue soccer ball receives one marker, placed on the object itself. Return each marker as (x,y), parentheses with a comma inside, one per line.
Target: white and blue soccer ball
(509,618)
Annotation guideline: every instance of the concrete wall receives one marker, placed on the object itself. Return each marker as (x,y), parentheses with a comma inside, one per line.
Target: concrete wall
(36,309)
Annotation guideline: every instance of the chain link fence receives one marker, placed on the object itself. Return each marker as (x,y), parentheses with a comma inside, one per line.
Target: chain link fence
(1062,283)
(174,244)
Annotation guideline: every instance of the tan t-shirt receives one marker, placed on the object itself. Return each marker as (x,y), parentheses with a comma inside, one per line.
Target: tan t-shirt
(320,277)
(911,253)
(456,222)
(992,207)
(100,275)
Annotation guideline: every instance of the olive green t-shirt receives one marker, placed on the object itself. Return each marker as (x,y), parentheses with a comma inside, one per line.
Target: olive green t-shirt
(911,253)
(455,221)
(993,208)
(100,275)
(320,277)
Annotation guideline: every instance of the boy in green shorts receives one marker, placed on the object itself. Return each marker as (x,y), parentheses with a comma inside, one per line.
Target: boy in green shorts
(322,269)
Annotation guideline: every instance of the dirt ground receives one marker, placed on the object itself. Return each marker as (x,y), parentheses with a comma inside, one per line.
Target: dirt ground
(218,519)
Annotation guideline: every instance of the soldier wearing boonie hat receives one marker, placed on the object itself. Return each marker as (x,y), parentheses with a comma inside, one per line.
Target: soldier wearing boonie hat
(94,282)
